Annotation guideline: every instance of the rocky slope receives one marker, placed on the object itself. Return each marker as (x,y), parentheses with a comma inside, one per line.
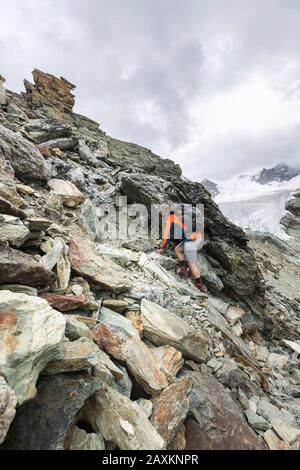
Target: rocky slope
(101,345)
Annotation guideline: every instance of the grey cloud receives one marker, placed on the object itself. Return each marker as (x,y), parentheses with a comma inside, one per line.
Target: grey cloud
(242,153)
(124,54)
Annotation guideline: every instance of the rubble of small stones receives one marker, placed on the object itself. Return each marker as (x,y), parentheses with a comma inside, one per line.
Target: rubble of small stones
(102,346)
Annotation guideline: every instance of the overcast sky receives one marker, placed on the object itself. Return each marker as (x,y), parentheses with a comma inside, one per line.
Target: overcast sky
(212,84)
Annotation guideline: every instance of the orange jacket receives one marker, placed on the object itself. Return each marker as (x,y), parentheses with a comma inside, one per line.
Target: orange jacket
(173,219)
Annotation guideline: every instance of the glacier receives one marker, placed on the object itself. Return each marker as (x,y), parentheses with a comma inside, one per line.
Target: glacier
(256,207)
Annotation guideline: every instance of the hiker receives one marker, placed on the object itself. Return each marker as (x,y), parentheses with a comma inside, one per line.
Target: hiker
(187,245)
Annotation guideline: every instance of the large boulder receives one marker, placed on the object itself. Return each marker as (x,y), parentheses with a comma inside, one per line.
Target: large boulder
(217,421)
(100,270)
(45,422)
(163,327)
(117,336)
(120,421)
(30,336)
(25,157)
(17,267)
(69,194)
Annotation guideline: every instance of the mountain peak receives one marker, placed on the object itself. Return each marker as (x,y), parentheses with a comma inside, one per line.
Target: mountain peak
(279,173)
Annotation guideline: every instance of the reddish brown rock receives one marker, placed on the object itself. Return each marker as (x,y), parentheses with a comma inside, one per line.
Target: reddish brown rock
(118,338)
(64,303)
(17,267)
(7,207)
(136,320)
(218,422)
(170,360)
(50,90)
(170,409)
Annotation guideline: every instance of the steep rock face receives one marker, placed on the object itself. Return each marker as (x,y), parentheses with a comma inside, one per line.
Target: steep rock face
(238,270)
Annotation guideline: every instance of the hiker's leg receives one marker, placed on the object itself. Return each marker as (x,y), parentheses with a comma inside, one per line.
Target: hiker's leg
(181,269)
(190,251)
(194,269)
(179,252)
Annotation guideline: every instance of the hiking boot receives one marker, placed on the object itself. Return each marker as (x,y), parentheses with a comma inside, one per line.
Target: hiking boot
(201,286)
(183,271)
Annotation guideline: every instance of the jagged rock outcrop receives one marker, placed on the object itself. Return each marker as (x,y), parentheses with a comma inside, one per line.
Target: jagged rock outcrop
(117,337)
(48,89)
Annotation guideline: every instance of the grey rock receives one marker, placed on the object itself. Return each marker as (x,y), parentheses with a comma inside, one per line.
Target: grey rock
(118,420)
(79,439)
(163,327)
(20,289)
(12,230)
(271,413)
(52,412)
(218,421)
(25,157)
(87,155)
(62,143)
(88,220)
(257,422)
(75,356)
(76,329)
(145,405)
